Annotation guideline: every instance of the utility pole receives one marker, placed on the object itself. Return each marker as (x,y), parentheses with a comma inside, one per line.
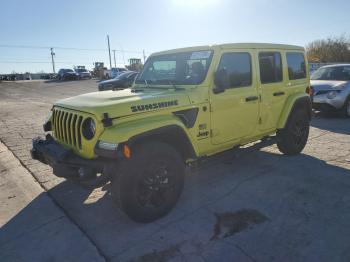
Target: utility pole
(115,64)
(109,51)
(144,56)
(53,61)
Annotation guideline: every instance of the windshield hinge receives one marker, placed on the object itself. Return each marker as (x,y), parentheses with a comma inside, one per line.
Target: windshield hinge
(211,108)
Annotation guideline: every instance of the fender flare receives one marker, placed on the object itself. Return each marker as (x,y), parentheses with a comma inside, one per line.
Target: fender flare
(170,134)
(301,101)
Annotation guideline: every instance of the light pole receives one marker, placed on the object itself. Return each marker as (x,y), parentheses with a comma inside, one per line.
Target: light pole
(53,61)
(144,56)
(115,64)
(109,51)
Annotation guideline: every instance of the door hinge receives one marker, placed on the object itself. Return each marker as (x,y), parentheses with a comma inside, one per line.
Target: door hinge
(210,108)
(259,98)
(260,121)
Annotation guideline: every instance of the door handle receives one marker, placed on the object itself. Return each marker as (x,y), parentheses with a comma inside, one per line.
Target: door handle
(278,94)
(251,98)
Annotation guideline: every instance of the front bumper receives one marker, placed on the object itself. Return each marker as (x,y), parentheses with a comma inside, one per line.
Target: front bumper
(321,102)
(49,152)
(85,76)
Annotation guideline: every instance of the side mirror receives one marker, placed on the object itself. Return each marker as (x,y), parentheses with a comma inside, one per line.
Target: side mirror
(221,81)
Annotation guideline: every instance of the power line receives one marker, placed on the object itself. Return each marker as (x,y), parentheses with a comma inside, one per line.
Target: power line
(46,62)
(66,48)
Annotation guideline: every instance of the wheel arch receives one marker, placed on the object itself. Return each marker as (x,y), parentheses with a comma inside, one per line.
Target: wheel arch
(295,102)
(173,135)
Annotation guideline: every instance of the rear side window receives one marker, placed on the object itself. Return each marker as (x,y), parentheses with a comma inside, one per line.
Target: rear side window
(296,66)
(238,67)
(270,64)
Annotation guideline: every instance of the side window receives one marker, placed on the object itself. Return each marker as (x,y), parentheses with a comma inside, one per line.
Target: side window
(296,66)
(270,64)
(238,67)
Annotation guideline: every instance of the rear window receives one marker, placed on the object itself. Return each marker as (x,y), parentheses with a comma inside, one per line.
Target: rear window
(238,67)
(270,64)
(296,66)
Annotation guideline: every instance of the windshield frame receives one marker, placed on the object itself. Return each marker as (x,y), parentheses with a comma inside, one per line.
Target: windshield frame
(173,82)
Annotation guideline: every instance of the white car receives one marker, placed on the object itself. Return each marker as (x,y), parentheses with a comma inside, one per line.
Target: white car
(331,88)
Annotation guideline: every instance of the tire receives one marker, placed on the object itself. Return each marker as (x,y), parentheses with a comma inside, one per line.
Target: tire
(292,139)
(345,111)
(149,184)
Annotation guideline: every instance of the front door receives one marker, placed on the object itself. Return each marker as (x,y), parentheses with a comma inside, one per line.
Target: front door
(235,112)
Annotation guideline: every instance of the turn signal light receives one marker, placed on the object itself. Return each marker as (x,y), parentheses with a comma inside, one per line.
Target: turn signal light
(126,151)
(310,90)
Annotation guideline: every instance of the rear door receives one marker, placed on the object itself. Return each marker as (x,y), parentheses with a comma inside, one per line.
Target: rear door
(234,112)
(298,76)
(271,86)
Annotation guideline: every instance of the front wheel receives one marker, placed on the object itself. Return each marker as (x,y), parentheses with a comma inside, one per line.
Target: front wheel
(150,182)
(346,108)
(292,139)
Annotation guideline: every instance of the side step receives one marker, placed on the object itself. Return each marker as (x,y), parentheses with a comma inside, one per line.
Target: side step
(234,152)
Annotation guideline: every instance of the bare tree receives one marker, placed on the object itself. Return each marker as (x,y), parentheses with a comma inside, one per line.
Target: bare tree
(330,50)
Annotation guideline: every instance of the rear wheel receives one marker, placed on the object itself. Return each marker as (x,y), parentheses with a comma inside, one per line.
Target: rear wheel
(149,184)
(292,139)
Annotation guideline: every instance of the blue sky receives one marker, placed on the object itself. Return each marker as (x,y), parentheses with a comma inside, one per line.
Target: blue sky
(155,25)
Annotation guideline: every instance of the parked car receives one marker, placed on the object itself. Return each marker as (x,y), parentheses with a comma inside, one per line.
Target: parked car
(330,87)
(116,71)
(184,106)
(67,74)
(83,73)
(122,81)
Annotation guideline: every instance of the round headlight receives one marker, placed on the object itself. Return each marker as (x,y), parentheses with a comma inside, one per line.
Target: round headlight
(89,128)
(331,94)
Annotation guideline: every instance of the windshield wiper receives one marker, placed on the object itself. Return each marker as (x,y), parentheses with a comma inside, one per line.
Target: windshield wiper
(172,83)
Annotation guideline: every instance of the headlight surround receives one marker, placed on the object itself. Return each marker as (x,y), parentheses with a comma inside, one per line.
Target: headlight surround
(89,128)
(332,94)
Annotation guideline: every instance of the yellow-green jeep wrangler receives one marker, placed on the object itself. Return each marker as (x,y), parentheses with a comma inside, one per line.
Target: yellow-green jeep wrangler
(186,104)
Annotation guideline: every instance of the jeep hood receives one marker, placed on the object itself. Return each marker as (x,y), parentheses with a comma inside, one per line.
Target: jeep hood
(126,102)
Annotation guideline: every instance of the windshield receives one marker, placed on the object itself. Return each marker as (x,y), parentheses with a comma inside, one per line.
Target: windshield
(68,70)
(187,68)
(340,73)
(123,75)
